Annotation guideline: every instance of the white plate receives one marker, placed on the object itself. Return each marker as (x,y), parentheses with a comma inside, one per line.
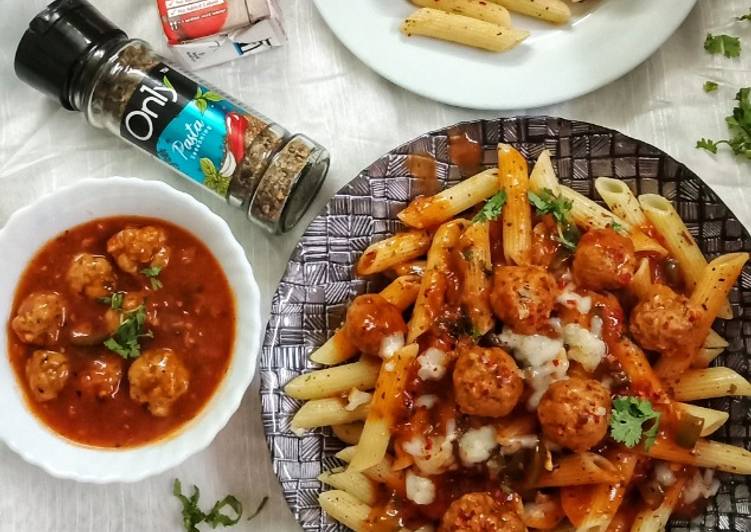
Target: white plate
(605,40)
(27,231)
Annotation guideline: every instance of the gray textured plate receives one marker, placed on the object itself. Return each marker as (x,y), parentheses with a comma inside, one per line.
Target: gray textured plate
(319,282)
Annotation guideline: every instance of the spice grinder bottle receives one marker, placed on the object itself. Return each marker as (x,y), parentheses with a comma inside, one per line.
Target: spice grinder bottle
(72,52)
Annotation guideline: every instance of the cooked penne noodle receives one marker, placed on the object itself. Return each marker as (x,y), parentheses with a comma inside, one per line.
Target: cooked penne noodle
(544,513)
(517,213)
(322,412)
(697,384)
(355,484)
(382,472)
(678,240)
(543,175)
(385,254)
(479,9)
(463,30)
(655,520)
(706,453)
(606,499)
(401,293)
(578,470)
(433,285)
(641,283)
(713,347)
(636,366)
(430,211)
(713,419)
(474,254)
(376,433)
(646,244)
(345,508)
(411,267)
(517,426)
(328,382)
(715,340)
(349,433)
(620,200)
(555,11)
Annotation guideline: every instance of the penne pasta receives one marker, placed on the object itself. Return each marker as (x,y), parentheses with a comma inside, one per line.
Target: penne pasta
(606,499)
(345,508)
(655,520)
(713,347)
(475,264)
(578,470)
(706,453)
(543,175)
(713,419)
(641,284)
(620,200)
(635,365)
(479,9)
(555,11)
(376,433)
(385,254)
(697,384)
(412,267)
(433,286)
(323,412)
(335,381)
(431,211)
(517,213)
(682,246)
(356,484)
(463,30)
(382,472)
(401,293)
(349,433)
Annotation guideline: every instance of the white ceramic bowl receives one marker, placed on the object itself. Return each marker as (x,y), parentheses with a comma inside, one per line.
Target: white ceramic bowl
(27,231)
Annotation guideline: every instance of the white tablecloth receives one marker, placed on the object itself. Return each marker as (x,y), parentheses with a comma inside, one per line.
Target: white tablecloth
(316,86)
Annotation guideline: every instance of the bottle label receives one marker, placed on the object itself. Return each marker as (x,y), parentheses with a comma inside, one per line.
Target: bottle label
(190,127)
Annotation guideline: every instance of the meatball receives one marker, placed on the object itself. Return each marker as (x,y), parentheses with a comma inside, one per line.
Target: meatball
(47,373)
(134,248)
(480,512)
(487,382)
(90,275)
(157,378)
(665,321)
(523,297)
(574,413)
(374,325)
(604,260)
(40,318)
(102,377)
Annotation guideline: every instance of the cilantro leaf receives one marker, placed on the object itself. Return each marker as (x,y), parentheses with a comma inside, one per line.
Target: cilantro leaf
(739,125)
(710,86)
(215,517)
(125,341)
(707,144)
(193,515)
(152,272)
(747,16)
(492,208)
(628,418)
(618,228)
(258,510)
(726,45)
(546,202)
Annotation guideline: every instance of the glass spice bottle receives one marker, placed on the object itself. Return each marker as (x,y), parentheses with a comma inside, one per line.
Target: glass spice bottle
(72,52)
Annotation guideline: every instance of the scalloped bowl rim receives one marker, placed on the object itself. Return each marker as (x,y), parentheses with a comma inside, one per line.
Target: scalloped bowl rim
(27,230)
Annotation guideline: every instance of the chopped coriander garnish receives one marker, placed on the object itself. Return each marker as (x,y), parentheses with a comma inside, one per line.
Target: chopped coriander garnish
(726,45)
(260,507)
(492,208)
(115,301)
(152,272)
(125,341)
(193,515)
(618,228)
(739,125)
(546,202)
(628,419)
(710,86)
(747,16)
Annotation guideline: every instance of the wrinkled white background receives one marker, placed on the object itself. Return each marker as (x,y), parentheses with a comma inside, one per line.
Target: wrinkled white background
(316,86)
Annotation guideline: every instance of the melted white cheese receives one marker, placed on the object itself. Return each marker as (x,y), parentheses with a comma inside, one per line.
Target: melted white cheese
(356,399)
(531,350)
(569,298)
(427,401)
(420,490)
(541,377)
(701,486)
(583,346)
(476,445)
(390,345)
(432,364)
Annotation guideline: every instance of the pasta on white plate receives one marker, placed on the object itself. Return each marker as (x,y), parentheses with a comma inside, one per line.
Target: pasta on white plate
(511,387)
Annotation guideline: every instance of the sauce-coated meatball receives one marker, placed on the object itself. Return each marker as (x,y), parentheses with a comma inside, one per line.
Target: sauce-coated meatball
(102,377)
(39,319)
(487,382)
(665,321)
(480,512)
(47,372)
(91,275)
(157,378)
(604,260)
(370,320)
(574,413)
(135,248)
(523,297)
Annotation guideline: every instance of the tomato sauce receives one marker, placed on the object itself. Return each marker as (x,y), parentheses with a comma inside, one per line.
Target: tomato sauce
(193,313)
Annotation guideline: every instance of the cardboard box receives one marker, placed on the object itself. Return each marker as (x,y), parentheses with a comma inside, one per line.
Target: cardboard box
(204,33)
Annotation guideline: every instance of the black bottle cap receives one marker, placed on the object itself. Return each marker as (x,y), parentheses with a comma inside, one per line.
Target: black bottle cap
(54,49)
